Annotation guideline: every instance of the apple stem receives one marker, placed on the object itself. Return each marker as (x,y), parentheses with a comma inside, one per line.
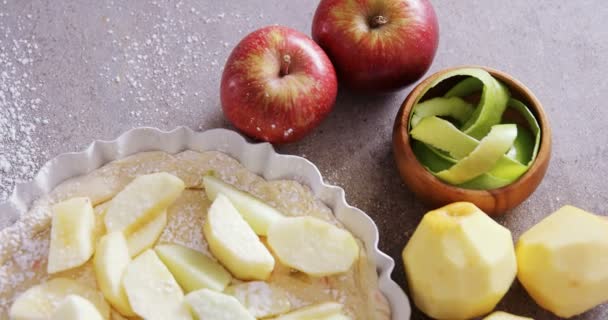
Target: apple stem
(285,65)
(379,21)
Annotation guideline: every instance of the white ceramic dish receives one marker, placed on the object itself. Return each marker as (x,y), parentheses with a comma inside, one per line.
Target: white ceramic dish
(259,158)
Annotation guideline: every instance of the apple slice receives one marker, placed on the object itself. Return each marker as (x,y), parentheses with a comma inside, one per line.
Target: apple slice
(110,261)
(153,292)
(234,243)
(74,307)
(146,236)
(41,301)
(141,201)
(72,234)
(321,311)
(258,214)
(211,305)
(262,299)
(313,246)
(499,315)
(192,269)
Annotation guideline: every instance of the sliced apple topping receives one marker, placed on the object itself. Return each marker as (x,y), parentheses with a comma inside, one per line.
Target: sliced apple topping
(146,236)
(152,291)
(211,305)
(41,301)
(72,234)
(313,246)
(140,282)
(321,311)
(258,214)
(234,243)
(141,201)
(74,307)
(192,269)
(260,298)
(110,262)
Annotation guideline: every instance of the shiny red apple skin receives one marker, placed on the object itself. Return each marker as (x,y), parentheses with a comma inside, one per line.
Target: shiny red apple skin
(376,54)
(272,100)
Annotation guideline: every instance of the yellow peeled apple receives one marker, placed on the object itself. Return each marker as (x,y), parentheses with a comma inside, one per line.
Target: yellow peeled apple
(72,234)
(563,261)
(152,291)
(258,214)
(110,262)
(141,201)
(207,304)
(234,243)
(192,269)
(499,315)
(313,246)
(74,307)
(459,262)
(41,301)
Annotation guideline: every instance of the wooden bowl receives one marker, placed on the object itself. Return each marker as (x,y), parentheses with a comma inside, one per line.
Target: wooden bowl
(437,193)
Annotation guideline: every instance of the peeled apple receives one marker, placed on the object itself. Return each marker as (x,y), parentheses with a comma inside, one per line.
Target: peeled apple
(258,214)
(563,261)
(192,269)
(146,236)
(141,201)
(313,246)
(152,291)
(234,243)
(109,263)
(207,304)
(459,262)
(72,234)
(41,301)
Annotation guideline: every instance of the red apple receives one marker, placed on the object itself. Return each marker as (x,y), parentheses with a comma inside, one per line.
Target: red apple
(277,85)
(377,45)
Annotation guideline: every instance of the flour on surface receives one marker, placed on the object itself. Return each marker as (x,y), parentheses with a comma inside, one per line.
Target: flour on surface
(20,153)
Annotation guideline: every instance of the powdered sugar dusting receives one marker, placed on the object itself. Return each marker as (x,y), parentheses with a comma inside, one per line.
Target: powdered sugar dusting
(159,61)
(20,153)
(20,267)
(186,221)
(145,60)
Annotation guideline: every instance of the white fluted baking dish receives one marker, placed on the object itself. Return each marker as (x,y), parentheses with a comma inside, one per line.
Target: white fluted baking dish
(259,158)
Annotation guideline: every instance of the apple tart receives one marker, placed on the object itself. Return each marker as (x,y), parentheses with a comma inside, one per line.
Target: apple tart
(185,236)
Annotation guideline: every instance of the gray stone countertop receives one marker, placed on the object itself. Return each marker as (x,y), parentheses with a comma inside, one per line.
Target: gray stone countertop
(75,71)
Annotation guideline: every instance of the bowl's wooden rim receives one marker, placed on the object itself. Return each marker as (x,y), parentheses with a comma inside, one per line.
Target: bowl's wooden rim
(544,152)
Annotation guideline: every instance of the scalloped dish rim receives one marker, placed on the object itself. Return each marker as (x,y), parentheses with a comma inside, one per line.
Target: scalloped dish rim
(259,158)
